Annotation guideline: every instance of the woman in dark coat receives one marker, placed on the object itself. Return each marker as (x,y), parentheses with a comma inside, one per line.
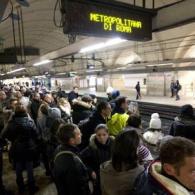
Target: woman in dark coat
(22,133)
(98,152)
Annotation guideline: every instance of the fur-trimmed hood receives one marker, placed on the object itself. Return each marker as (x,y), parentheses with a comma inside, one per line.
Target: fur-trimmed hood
(94,145)
(168,184)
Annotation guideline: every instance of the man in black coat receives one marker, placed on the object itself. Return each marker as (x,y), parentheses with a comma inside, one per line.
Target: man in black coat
(100,116)
(69,172)
(184,124)
(73,94)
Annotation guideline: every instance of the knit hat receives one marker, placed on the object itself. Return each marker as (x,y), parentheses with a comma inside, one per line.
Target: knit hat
(144,153)
(155,122)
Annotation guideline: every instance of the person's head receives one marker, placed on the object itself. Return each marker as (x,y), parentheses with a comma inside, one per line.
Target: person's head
(20,110)
(48,98)
(36,96)
(177,81)
(124,154)
(138,82)
(101,132)
(69,134)
(177,156)
(155,122)
(12,103)
(187,111)
(2,95)
(75,89)
(134,120)
(56,124)
(18,95)
(121,102)
(104,108)
(87,99)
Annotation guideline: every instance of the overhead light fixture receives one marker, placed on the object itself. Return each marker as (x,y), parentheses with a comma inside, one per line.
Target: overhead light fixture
(161,64)
(97,70)
(101,45)
(16,70)
(42,62)
(2,74)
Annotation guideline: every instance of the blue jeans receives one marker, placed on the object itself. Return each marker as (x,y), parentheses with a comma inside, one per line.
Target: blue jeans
(20,167)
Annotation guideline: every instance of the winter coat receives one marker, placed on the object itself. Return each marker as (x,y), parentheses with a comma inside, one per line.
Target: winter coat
(22,133)
(151,181)
(117,183)
(117,122)
(96,153)
(88,126)
(80,113)
(184,127)
(151,139)
(71,96)
(34,108)
(69,172)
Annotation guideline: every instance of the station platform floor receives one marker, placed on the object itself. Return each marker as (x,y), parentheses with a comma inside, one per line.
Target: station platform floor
(151,99)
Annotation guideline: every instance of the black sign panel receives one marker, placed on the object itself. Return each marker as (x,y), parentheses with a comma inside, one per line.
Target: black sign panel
(96,18)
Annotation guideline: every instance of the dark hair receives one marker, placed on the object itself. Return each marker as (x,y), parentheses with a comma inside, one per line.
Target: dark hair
(87,98)
(187,111)
(66,132)
(175,150)
(120,100)
(101,106)
(101,126)
(20,109)
(56,124)
(134,120)
(125,150)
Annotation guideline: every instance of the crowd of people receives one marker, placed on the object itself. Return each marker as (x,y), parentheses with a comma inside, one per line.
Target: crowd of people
(94,148)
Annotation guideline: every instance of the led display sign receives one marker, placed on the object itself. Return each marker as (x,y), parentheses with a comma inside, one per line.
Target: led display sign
(97,18)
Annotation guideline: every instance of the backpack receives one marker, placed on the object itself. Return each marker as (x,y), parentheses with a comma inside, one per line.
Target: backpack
(179,87)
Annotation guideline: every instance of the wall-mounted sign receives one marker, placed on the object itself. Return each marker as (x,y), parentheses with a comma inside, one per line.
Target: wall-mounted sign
(103,19)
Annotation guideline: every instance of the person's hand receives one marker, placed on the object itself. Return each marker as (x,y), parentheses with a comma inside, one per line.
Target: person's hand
(93,175)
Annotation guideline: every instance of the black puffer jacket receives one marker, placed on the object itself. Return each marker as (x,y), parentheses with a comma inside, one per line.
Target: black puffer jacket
(96,153)
(70,174)
(80,113)
(22,133)
(88,127)
(184,127)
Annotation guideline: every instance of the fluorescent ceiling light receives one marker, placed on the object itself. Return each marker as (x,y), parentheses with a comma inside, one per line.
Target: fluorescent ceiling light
(97,70)
(161,64)
(2,74)
(108,43)
(42,62)
(16,70)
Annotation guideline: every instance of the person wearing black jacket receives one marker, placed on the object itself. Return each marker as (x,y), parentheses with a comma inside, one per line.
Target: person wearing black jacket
(87,127)
(73,94)
(22,133)
(34,107)
(98,152)
(69,172)
(184,124)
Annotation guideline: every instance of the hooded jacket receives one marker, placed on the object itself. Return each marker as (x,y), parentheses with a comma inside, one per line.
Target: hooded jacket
(151,181)
(97,153)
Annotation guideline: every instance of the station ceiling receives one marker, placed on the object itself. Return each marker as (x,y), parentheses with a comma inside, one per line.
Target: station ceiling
(42,38)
